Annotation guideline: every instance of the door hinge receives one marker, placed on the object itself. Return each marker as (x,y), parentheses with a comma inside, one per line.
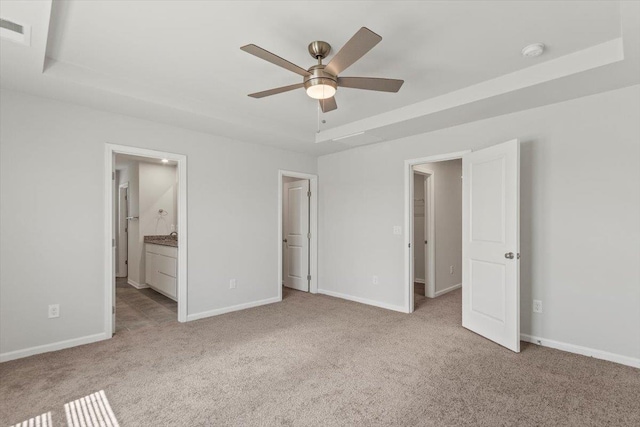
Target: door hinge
(308,193)
(409,244)
(308,235)
(126,262)
(113,309)
(113,176)
(113,243)
(308,277)
(126,230)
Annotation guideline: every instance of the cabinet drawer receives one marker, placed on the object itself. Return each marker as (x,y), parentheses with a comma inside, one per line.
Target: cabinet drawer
(162,250)
(166,285)
(166,265)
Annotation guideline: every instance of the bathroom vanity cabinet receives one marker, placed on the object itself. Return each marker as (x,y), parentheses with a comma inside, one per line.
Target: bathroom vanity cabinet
(161,269)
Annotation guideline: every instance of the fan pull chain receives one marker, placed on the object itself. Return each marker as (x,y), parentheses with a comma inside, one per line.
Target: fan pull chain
(318,117)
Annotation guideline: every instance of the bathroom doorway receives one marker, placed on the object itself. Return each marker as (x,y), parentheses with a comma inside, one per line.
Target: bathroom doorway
(146,214)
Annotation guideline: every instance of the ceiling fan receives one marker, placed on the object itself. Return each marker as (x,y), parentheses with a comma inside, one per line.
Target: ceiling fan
(321,81)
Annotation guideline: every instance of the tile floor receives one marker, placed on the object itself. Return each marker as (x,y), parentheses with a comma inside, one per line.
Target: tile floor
(141,308)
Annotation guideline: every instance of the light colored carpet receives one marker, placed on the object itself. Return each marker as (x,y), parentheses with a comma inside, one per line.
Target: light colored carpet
(314,360)
(93,410)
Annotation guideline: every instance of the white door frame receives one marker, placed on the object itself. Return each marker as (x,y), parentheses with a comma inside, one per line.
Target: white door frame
(109,261)
(429,229)
(313,228)
(408,218)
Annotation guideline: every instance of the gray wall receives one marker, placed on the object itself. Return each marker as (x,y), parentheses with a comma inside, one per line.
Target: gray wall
(580,210)
(52,160)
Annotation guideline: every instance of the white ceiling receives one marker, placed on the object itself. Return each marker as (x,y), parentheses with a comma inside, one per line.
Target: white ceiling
(179,61)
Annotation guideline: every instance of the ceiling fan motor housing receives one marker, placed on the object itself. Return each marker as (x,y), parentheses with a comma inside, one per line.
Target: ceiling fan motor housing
(320,77)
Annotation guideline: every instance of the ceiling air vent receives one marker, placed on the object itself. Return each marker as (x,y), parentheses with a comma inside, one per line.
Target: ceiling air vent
(15,32)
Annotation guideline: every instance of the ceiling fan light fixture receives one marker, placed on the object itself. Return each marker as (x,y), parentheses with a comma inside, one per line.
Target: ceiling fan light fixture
(322,90)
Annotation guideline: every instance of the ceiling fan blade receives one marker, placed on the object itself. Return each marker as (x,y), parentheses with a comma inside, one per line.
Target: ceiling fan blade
(371,83)
(276,91)
(362,42)
(274,59)
(328,104)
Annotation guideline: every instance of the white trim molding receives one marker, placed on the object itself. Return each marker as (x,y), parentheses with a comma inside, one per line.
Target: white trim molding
(449,289)
(584,351)
(46,348)
(366,301)
(223,310)
(136,284)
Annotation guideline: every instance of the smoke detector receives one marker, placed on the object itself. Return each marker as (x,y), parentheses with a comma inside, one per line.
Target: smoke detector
(533,50)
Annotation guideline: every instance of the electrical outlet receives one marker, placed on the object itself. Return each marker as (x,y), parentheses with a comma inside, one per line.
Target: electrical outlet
(451,269)
(54,311)
(375,280)
(232,284)
(537,306)
(397,230)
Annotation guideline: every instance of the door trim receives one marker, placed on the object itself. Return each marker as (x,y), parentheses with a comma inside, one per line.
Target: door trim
(313,228)
(109,261)
(408,218)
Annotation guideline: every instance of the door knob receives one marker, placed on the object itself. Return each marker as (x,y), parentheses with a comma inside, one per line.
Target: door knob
(509,255)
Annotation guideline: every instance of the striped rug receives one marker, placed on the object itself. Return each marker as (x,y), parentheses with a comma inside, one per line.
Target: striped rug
(90,411)
(43,420)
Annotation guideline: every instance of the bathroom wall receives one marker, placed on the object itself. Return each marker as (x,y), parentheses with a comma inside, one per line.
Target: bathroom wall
(158,186)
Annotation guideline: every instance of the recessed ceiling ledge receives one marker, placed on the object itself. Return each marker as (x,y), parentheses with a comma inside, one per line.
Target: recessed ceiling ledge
(593,57)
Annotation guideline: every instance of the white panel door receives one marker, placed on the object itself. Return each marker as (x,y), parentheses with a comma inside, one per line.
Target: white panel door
(296,235)
(491,243)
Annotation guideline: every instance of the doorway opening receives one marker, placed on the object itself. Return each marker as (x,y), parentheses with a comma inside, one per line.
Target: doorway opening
(437,229)
(489,241)
(146,259)
(297,232)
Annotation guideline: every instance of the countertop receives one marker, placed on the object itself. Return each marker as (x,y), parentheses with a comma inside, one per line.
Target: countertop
(163,240)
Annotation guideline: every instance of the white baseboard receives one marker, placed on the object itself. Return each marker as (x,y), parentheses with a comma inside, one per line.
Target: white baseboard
(449,289)
(18,354)
(136,284)
(363,300)
(238,307)
(418,281)
(585,351)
